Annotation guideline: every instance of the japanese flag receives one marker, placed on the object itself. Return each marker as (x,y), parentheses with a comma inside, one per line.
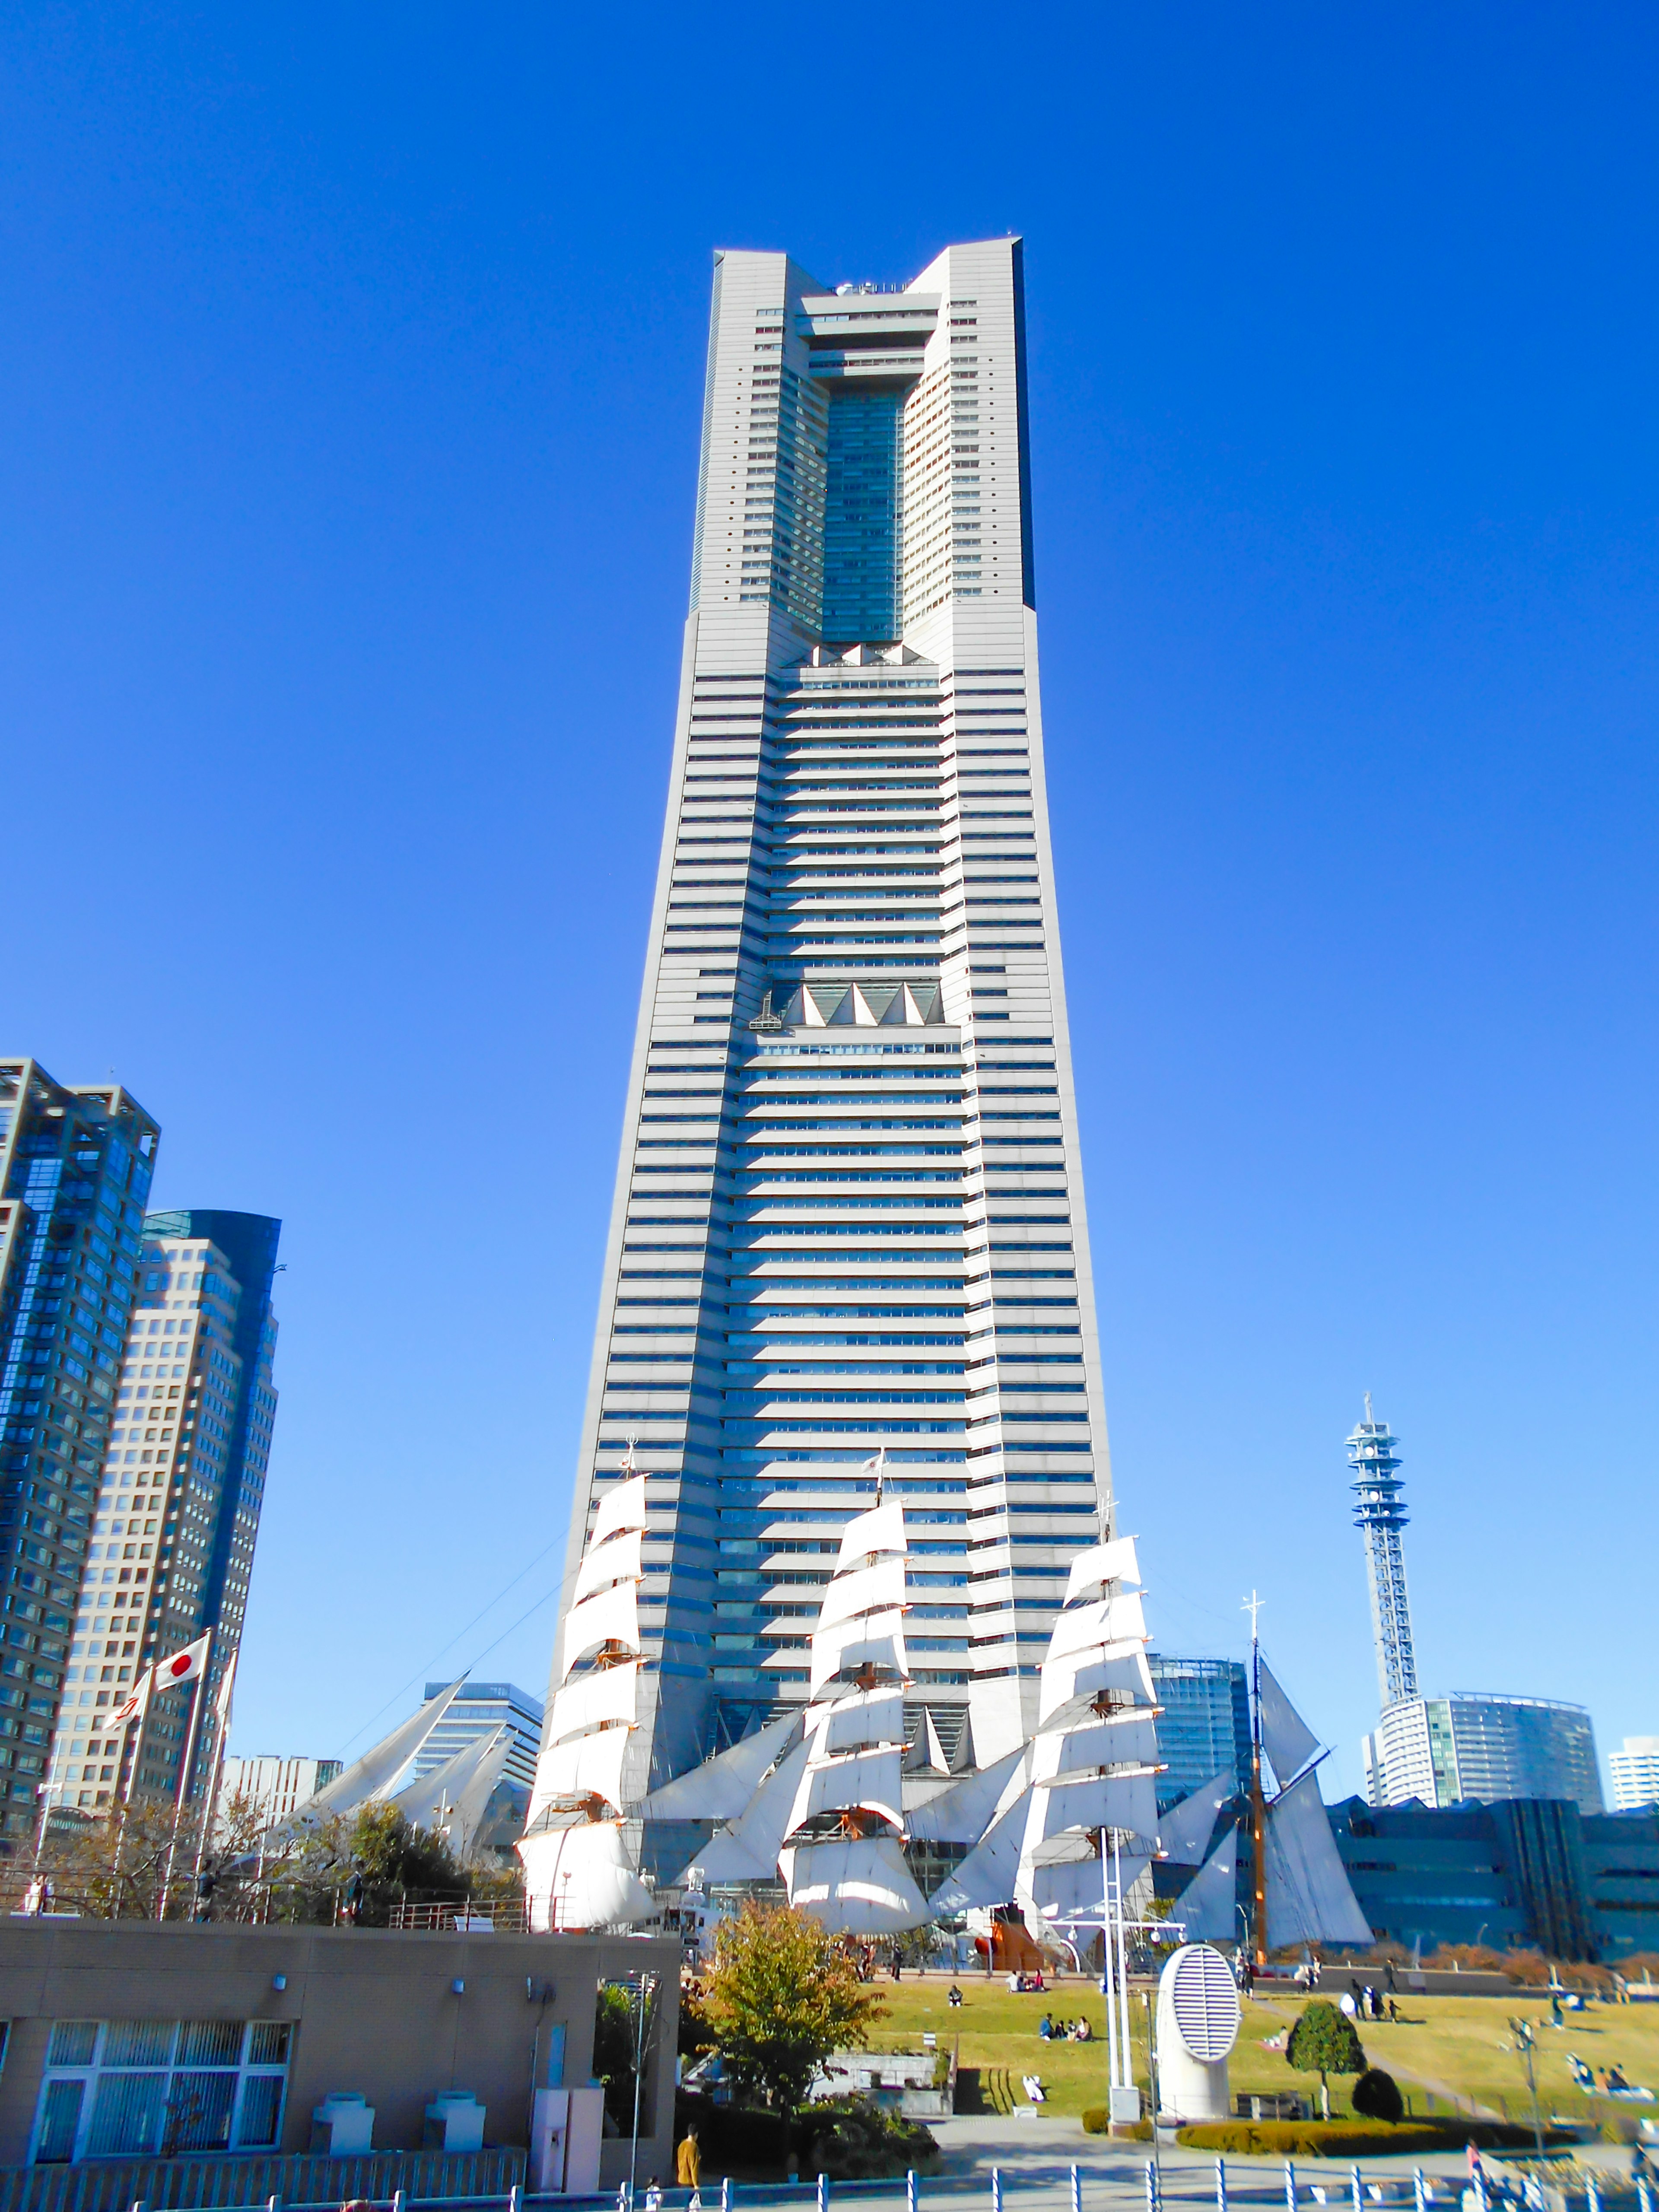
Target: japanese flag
(184,1666)
(136,1705)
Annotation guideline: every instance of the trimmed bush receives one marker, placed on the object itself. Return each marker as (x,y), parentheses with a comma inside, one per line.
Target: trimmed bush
(1377,2096)
(1097,2121)
(1356,2138)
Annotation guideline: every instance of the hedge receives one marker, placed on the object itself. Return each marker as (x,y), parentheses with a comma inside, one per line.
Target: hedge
(1352,2138)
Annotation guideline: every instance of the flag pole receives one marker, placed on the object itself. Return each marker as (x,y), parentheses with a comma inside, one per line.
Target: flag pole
(184,1772)
(222,1705)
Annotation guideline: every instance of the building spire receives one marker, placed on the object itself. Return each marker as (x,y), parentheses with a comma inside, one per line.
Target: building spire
(1380,1513)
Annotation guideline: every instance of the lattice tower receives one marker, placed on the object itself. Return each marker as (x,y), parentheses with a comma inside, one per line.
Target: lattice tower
(1380,1512)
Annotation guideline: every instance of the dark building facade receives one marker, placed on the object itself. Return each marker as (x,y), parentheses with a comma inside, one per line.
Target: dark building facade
(1526,1872)
(76,1163)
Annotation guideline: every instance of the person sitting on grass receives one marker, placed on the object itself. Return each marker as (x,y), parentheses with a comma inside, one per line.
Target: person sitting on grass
(1046,2029)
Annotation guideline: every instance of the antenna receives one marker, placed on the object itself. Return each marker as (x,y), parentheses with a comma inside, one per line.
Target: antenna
(1379,1513)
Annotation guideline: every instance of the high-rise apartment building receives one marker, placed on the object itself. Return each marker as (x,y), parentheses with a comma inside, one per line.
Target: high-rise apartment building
(1635,1771)
(1203,1726)
(75,1162)
(178,1509)
(849,1217)
(273,1785)
(1448,1751)
(483,1709)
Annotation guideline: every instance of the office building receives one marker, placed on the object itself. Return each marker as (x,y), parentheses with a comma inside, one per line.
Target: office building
(481,1708)
(1379,1513)
(1205,1725)
(849,1216)
(179,1510)
(75,1162)
(1514,1875)
(273,1787)
(1635,1771)
(1443,1751)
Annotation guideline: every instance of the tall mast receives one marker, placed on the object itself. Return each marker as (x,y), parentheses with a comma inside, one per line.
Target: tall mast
(1258,1804)
(1379,1512)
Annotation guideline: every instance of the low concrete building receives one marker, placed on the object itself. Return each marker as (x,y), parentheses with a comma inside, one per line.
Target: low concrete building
(128,2040)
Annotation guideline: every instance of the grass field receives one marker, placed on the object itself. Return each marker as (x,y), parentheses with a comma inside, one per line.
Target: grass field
(1444,2048)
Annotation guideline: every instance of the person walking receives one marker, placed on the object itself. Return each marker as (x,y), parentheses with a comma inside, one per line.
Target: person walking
(688,2161)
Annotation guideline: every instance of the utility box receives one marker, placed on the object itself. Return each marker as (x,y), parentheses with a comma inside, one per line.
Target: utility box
(343,2125)
(454,2121)
(565,2133)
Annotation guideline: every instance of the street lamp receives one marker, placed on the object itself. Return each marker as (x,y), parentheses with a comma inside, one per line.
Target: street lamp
(1524,2033)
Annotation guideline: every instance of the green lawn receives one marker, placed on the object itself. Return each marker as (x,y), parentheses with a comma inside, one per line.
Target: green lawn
(1458,2044)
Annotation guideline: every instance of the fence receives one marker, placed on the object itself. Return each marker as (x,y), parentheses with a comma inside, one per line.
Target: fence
(216,2183)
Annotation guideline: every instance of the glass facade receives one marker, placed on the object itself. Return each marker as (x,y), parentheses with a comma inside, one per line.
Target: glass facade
(861,515)
(1205,1725)
(480,1708)
(126,2088)
(76,1163)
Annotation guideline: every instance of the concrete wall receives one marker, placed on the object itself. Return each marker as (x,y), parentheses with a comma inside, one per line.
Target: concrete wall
(374,2011)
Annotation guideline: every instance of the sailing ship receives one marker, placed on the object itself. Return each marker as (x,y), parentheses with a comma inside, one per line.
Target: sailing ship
(577,1873)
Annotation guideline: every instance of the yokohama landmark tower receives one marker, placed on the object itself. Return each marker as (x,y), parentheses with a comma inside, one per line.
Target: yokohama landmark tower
(849,1217)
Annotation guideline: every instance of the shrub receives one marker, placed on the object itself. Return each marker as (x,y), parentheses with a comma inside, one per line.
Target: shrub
(1377,2096)
(1097,2121)
(1356,2138)
(851,2139)
(734,2140)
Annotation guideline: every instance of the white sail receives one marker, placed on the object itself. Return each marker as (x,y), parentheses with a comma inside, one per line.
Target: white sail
(875,1639)
(1127,1803)
(1207,1908)
(866,1781)
(1119,1620)
(1288,1740)
(722,1788)
(1309,1897)
(1101,1567)
(1073,1692)
(605,1693)
(621,1508)
(381,1771)
(881,1528)
(619,1560)
(963,1813)
(584,1766)
(877,1588)
(990,1872)
(1073,1889)
(747,1849)
(873,1717)
(453,1799)
(1128,1740)
(1184,1832)
(580,1877)
(854,1885)
(612,1616)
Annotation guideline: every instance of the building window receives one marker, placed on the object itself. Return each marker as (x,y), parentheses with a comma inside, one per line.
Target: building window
(147,2088)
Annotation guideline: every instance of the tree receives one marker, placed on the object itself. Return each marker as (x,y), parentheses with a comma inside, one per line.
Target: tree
(782,1995)
(1323,2041)
(1377,2096)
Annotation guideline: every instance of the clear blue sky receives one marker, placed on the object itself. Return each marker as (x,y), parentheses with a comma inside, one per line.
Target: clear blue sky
(350,361)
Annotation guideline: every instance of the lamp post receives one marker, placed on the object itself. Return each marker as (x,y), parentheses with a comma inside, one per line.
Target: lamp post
(1523,2032)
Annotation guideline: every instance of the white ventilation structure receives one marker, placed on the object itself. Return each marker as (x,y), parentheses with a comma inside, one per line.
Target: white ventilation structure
(1198,2018)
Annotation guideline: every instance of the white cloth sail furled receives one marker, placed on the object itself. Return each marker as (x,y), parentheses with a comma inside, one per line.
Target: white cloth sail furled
(577,1873)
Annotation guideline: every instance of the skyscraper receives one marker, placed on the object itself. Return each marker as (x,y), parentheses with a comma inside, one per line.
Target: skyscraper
(1204,1724)
(1635,1771)
(849,1217)
(178,1509)
(483,1709)
(1380,1512)
(1445,1751)
(74,1170)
